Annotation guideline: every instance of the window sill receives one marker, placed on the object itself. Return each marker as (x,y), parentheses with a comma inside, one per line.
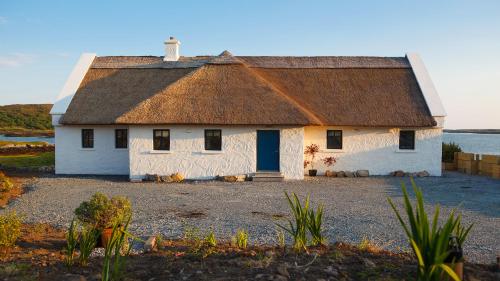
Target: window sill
(87,149)
(406,151)
(122,149)
(332,150)
(160,152)
(211,152)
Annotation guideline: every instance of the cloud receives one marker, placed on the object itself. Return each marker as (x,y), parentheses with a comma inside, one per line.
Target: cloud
(3,20)
(16,59)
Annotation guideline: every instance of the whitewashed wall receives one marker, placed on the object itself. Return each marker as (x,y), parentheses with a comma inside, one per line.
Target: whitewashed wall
(377,150)
(187,154)
(103,159)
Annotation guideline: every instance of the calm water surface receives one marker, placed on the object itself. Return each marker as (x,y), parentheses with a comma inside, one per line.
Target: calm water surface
(475,143)
(45,139)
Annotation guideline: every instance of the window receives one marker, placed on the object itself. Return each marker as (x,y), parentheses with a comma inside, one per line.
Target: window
(334,139)
(406,139)
(121,139)
(161,139)
(87,138)
(213,140)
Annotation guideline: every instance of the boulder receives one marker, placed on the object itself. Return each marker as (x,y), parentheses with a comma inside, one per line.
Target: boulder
(362,173)
(398,173)
(177,177)
(230,178)
(329,173)
(340,174)
(152,177)
(166,179)
(150,244)
(423,174)
(349,174)
(241,178)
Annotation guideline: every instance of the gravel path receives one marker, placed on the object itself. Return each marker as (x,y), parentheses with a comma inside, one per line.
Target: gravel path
(354,207)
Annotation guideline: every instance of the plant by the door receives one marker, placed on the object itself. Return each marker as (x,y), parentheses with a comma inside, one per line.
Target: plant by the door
(310,152)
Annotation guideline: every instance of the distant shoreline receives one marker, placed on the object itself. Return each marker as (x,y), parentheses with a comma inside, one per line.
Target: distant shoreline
(17,132)
(472,131)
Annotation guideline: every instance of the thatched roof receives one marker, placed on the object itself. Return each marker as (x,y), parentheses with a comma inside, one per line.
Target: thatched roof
(225,89)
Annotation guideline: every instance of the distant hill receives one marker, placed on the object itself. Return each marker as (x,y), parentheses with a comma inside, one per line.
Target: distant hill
(33,117)
(473,131)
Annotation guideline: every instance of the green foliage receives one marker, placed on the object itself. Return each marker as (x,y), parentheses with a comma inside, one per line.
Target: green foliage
(461,232)
(10,229)
(280,236)
(210,239)
(5,183)
(314,222)
(71,242)
(88,241)
(241,239)
(102,212)
(29,116)
(28,160)
(449,150)
(428,241)
(114,254)
(298,230)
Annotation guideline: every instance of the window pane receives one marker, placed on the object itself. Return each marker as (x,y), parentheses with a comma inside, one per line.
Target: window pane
(87,138)
(121,139)
(334,139)
(213,140)
(406,139)
(161,139)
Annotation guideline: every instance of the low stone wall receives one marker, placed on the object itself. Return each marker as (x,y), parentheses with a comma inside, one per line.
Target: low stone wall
(478,164)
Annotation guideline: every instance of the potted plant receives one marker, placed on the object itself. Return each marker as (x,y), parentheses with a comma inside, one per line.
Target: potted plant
(455,258)
(329,161)
(310,152)
(103,213)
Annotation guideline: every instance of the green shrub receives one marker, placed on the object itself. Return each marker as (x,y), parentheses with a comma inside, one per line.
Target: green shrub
(298,230)
(10,229)
(210,239)
(116,252)
(449,150)
(102,212)
(71,243)
(5,183)
(241,239)
(315,219)
(88,241)
(430,243)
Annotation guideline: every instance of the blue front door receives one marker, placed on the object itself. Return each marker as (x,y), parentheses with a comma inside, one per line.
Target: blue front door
(268,150)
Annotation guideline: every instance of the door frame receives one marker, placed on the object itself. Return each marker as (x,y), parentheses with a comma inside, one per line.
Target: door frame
(257,150)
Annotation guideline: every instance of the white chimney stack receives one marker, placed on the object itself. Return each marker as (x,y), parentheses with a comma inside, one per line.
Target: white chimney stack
(172,49)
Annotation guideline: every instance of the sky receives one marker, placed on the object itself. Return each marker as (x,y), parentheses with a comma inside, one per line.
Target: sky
(459,41)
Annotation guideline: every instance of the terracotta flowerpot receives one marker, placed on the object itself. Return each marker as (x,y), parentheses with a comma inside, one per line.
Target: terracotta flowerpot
(106,236)
(312,173)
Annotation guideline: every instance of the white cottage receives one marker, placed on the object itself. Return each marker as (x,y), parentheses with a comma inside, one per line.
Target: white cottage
(205,116)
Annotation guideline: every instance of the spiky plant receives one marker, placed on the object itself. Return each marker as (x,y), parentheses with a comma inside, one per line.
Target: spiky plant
(71,243)
(297,229)
(88,241)
(428,241)
(315,219)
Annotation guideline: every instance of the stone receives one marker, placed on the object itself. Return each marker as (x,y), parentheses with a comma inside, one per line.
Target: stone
(150,244)
(332,271)
(368,263)
(329,173)
(349,174)
(283,271)
(340,174)
(423,174)
(230,178)
(241,178)
(177,177)
(166,179)
(398,173)
(74,277)
(152,177)
(362,173)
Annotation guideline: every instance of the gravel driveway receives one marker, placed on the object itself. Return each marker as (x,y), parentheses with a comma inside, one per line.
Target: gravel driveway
(354,207)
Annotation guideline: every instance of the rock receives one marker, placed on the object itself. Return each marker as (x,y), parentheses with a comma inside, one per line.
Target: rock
(362,173)
(230,178)
(368,263)
(340,174)
(423,174)
(398,173)
(283,271)
(349,174)
(279,278)
(332,271)
(329,173)
(241,178)
(166,179)
(74,277)
(177,177)
(150,244)
(152,177)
